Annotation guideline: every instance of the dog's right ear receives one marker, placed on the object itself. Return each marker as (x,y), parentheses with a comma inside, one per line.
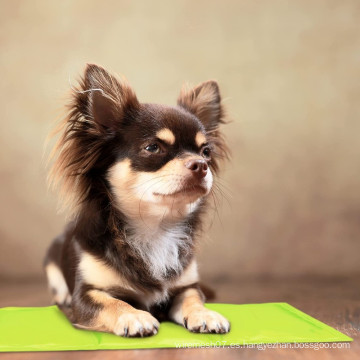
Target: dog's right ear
(104,98)
(99,106)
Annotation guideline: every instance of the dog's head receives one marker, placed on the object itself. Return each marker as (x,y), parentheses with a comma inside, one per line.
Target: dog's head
(150,159)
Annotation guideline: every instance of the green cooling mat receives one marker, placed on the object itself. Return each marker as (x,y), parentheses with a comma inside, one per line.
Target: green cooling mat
(47,329)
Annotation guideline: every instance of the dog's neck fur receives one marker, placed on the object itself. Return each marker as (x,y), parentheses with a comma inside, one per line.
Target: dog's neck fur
(164,244)
(161,246)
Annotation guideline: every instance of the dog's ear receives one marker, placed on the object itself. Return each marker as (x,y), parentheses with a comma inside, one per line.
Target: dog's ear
(107,98)
(204,101)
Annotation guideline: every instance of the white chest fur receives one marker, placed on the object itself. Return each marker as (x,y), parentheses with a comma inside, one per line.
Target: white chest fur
(160,248)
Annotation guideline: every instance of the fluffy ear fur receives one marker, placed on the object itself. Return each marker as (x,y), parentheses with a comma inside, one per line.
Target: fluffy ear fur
(204,101)
(107,98)
(97,108)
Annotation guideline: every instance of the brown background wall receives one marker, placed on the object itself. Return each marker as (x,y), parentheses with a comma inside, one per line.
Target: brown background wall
(289,73)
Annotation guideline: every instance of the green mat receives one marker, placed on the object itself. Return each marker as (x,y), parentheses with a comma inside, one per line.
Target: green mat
(47,329)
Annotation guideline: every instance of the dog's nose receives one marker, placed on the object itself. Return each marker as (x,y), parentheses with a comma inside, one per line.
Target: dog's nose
(198,167)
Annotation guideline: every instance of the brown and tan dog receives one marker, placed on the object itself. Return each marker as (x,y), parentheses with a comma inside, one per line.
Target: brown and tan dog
(135,178)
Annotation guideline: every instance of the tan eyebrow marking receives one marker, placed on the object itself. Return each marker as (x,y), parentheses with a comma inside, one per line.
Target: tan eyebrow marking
(166,135)
(200,139)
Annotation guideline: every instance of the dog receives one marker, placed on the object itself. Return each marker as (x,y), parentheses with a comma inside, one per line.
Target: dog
(135,180)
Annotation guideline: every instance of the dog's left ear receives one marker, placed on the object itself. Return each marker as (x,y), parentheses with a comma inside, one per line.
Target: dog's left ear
(204,101)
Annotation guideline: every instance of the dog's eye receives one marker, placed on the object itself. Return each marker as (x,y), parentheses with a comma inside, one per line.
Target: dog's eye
(153,148)
(206,152)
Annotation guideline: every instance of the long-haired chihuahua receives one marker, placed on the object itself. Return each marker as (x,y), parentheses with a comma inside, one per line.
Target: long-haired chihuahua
(135,178)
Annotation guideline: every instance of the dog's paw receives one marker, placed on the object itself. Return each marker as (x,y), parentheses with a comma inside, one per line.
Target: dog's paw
(136,324)
(206,321)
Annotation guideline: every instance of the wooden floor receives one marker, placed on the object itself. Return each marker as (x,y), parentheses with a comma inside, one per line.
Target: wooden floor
(333,301)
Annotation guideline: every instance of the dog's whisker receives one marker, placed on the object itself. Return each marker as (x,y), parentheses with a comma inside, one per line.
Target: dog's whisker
(227,197)
(149,180)
(216,206)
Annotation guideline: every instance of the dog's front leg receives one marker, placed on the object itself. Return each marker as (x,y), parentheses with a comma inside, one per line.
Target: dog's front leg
(97,310)
(188,310)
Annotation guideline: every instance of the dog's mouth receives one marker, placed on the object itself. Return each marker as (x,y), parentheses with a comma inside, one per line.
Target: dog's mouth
(185,191)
